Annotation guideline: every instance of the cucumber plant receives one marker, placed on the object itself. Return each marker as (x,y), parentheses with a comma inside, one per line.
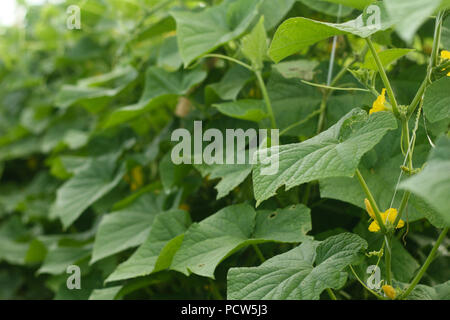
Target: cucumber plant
(352,98)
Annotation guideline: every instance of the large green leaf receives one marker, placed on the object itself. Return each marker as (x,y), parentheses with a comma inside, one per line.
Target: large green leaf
(299,33)
(95,179)
(436,104)
(126,228)
(202,32)
(433,182)
(333,153)
(302,273)
(209,242)
(161,86)
(157,251)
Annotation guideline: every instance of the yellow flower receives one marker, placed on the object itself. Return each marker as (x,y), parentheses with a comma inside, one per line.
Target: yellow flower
(378,104)
(369,208)
(389,291)
(374,227)
(138,178)
(389,215)
(445,54)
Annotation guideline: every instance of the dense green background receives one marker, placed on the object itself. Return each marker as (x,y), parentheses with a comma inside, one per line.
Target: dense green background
(85,171)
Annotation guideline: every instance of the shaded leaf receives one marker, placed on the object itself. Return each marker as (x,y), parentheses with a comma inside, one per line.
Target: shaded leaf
(126,228)
(157,251)
(96,178)
(201,32)
(209,242)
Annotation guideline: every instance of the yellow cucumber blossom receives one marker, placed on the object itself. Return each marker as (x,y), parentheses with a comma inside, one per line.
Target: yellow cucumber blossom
(378,104)
(389,291)
(388,216)
(137,175)
(369,208)
(445,55)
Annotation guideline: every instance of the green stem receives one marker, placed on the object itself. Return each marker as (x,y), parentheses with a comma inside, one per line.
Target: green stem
(388,259)
(221,56)
(402,207)
(433,61)
(331,294)
(258,253)
(384,77)
(437,39)
(412,107)
(322,109)
(371,200)
(261,83)
(425,266)
(333,88)
(409,151)
(266,98)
